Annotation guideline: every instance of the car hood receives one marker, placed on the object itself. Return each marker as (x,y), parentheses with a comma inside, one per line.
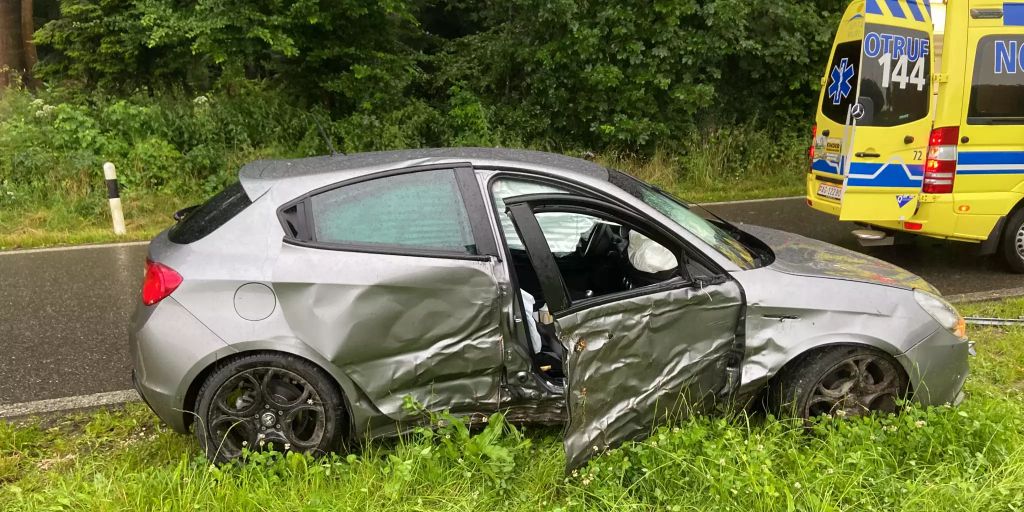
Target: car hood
(798,255)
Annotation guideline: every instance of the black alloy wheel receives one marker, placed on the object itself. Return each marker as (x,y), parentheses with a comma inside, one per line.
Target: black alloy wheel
(842,381)
(267,401)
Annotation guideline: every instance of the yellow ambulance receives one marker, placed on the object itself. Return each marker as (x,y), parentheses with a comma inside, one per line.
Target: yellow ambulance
(906,141)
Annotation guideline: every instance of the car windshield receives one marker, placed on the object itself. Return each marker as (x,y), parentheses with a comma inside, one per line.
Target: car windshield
(677,210)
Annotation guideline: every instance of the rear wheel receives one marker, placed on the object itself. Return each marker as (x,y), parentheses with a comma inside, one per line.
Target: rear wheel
(1012,246)
(268,400)
(854,380)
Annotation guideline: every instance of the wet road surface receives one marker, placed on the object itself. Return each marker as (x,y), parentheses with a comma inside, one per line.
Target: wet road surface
(63,321)
(953,267)
(64,314)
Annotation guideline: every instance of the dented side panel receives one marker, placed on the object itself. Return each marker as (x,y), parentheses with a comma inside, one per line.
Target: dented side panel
(783,324)
(399,325)
(645,360)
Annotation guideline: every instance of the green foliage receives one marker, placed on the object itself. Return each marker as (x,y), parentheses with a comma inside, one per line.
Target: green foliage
(564,74)
(711,98)
(168,143)
(637,74)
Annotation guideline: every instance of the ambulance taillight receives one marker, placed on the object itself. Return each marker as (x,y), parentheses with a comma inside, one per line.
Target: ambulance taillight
(810,151)
(940,166)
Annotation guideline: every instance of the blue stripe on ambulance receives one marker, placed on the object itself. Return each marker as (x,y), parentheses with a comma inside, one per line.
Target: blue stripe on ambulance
(990,157)
(892,174)
(896,9)
(990,162)
(822,165)
(1013,14)
(915,10)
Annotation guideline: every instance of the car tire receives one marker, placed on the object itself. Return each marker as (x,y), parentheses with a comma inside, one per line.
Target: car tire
(1012,246)
(856,380)
(269,400)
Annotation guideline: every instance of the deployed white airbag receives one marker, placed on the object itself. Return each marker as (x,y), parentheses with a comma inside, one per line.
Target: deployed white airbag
(649,256)
(531,321)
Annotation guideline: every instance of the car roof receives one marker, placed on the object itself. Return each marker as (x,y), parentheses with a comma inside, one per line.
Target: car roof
(258,176)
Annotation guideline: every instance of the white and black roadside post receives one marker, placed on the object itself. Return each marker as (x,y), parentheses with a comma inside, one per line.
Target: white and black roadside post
(116,213)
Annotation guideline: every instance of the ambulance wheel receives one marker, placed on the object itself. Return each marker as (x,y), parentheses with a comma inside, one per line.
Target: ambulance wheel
(1013,242)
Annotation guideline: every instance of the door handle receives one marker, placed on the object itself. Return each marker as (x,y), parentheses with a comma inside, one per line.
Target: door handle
(865,154)
(909,139)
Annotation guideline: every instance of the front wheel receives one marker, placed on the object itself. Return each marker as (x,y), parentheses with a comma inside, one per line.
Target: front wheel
(1012,246)
(268,400)
(851,379)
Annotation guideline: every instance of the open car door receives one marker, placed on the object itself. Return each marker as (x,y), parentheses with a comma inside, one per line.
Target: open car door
(639,356)
(890,121)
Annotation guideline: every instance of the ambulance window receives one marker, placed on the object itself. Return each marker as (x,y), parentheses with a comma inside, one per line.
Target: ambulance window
(997,89)
(841,81)
(896,71)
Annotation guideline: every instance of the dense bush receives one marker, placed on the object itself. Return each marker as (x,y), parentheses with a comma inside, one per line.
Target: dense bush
(559,74)
(704,96)
(635,74)
(53,148)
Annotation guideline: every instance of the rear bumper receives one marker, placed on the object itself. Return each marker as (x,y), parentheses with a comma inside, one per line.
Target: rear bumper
(169,349)
(935,214)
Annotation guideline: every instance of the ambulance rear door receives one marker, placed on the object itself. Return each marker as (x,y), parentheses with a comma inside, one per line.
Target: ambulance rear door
(838,92)
(890,120)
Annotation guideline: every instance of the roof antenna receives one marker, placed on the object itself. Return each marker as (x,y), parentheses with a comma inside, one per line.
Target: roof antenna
(323,135)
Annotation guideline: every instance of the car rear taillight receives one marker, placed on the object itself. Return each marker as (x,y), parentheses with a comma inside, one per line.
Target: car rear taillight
(160,282)
(810,152)
(940,166)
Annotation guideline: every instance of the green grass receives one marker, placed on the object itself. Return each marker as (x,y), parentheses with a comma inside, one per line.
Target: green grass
(86,220)
(969,457)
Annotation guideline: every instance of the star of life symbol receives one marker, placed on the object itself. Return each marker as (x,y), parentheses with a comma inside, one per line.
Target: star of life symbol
(840,86)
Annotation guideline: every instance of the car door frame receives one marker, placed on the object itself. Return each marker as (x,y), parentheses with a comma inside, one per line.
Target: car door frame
(296,219)
(523,209)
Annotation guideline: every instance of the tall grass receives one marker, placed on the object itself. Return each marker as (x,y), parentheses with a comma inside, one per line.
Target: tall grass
(969,457)
(723,163)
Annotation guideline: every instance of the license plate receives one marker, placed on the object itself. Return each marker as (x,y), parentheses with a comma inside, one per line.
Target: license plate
(830,191)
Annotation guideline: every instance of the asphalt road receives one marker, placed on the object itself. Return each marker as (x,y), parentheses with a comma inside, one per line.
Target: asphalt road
(64,314)
(953,267)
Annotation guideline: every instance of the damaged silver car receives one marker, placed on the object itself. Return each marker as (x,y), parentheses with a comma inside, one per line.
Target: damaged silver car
(305,304)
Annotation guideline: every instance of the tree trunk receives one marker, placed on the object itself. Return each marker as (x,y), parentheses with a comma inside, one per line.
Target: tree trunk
(11,53)
(27,32)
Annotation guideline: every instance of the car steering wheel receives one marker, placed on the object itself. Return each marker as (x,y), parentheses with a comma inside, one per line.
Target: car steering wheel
(595,242)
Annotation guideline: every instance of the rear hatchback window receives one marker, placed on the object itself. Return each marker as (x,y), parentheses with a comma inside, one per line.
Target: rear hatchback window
(997,89)
(211,215)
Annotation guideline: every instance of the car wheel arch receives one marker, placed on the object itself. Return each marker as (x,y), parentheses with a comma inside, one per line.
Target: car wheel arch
(344,386)
(813,350)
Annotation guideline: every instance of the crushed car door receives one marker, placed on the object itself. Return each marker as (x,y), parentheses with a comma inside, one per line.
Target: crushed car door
(891,117)
(391,276)
(641,356)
